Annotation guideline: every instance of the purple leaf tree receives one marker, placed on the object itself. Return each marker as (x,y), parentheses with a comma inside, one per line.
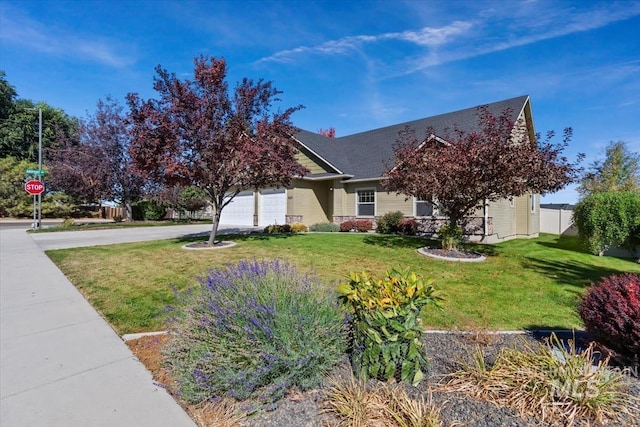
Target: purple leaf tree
(200,133)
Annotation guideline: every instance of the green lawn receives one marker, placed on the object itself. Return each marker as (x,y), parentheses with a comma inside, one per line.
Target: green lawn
(523,284)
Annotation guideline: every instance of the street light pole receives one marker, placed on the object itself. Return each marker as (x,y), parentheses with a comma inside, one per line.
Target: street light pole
(40,178)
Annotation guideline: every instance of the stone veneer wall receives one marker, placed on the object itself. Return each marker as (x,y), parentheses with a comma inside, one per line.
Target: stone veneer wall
(293,219)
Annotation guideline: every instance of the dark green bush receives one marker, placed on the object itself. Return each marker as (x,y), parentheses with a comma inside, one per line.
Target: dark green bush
(148,210)
(389,222)
(325,227)
(254,330)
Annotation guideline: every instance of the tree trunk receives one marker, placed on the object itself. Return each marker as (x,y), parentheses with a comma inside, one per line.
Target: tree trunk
(214,227)
(128,211)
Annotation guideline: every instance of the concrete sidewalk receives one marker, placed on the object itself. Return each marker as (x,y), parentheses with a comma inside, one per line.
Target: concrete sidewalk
(61,365)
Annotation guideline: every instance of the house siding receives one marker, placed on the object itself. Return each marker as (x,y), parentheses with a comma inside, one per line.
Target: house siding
(385,202)
(311,162)
(308,202)
(504,219)
(528,223)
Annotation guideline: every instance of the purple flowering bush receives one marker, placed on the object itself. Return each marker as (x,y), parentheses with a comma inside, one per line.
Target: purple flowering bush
(254,330)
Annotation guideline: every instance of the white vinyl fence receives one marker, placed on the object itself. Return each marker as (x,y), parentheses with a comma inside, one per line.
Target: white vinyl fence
(557,220)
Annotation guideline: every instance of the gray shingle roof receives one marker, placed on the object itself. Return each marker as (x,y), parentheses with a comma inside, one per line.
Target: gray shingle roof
(368,154)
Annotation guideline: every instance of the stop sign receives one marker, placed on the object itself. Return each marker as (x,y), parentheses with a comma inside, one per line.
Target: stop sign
(34,187)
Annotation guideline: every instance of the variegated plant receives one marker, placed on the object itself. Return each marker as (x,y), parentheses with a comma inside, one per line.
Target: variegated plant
(387,326)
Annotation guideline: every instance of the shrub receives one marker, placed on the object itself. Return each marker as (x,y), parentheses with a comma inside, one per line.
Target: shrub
(608,219)
(610,311)
(408,227)
(298,228)
(68,223)
(117,218)
(347,226)
(553,382)
(386,324)
(450,236)
(325,227)
(359,225)
(278,229)
(388,223)
(154,211)
(363,225)
(253,330)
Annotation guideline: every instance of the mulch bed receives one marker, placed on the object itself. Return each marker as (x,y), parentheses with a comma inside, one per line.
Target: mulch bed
(445,352)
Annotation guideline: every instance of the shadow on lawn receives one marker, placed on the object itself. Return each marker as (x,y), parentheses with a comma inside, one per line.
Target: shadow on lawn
(393,241)
(195,237)
(572,272)
(565,243)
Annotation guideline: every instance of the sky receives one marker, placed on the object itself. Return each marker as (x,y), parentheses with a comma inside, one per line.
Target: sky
(354,65)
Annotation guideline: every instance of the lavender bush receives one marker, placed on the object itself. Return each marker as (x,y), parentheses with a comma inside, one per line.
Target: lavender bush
(254,330)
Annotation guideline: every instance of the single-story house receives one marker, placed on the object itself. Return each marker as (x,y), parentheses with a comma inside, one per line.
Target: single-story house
(345,178)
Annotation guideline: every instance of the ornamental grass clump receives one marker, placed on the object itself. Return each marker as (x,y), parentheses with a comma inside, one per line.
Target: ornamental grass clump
(253,331)
(555,383)
(386,328)
(357,403)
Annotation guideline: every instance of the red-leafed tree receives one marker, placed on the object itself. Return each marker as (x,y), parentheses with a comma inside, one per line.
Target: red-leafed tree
(199,133)
(461,170)
(95,164)
(329,133)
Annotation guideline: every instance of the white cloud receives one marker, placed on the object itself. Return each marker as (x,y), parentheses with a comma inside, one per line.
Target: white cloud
(461,39)
(23,31)
(428,36)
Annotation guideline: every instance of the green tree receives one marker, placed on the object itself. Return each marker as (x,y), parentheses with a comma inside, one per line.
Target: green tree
(12,178)
(620,171)
(14,201)
(610,218)
(19,124)
(7,96)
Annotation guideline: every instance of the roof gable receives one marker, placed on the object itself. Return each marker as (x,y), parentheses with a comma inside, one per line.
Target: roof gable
(367,155)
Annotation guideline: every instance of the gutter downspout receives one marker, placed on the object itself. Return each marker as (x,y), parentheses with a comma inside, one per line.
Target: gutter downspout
(486,220)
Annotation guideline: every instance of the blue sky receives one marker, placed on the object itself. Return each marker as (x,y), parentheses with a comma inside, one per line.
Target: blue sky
(354,65)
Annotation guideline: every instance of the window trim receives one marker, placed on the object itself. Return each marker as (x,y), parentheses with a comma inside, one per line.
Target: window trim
(416,200)
(375,201)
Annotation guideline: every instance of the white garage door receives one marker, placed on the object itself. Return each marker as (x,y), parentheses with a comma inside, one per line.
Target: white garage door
(272,207)
(239,211)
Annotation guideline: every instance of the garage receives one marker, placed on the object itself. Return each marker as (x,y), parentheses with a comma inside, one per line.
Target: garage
(272,206)
(240,211)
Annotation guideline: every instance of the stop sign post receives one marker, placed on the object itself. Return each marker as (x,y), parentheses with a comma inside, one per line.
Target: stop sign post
(34,187)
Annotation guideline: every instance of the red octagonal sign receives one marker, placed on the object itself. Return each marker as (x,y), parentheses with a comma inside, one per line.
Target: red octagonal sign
(34,187)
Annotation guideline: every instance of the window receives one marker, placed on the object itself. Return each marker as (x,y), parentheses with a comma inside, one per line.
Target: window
(533,202)
(424,207)
(365,202)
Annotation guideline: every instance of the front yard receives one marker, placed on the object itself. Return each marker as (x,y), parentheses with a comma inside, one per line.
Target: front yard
(523,284)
